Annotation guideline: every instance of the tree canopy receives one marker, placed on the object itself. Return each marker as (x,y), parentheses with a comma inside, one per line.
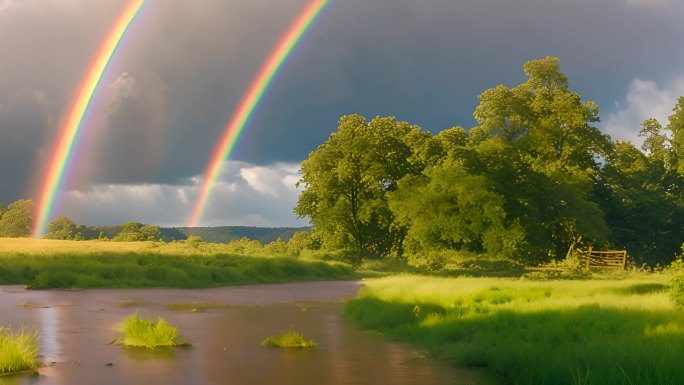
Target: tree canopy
(533,177)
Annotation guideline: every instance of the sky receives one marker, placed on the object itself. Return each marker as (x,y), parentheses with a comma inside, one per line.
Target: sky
(182,67)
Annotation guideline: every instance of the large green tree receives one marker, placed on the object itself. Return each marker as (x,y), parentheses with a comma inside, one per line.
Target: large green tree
(17,219)
(346,181)
(537,145)
(61,228)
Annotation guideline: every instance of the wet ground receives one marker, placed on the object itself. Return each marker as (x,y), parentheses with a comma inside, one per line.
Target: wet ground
(225,327)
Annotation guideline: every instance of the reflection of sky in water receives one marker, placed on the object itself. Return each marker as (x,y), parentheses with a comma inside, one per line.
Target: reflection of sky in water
(49,342)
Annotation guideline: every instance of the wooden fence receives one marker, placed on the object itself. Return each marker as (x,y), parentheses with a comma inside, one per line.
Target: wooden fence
(608,258)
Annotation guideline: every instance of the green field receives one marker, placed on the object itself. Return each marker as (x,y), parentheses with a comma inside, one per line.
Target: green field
(623,330)
(44,264)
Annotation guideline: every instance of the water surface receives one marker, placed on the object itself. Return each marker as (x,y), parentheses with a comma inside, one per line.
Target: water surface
(225,326)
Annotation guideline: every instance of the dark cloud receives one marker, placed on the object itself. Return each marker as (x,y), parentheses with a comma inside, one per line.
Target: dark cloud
(183,67)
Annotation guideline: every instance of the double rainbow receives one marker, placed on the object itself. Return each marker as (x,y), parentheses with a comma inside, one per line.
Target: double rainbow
(250,101)
(60,158)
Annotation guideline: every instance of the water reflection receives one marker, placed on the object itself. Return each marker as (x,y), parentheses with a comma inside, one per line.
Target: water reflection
(48,324)
(76,331)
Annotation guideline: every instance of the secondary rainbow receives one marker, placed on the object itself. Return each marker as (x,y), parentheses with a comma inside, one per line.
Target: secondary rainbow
(250,100)
(72,125)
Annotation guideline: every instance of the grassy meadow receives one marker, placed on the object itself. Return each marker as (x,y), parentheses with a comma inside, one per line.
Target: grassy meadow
(41,264)
(623,330)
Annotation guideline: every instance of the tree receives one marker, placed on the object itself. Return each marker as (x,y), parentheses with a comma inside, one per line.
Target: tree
(535,142)
(61,228)
(17,219)
(347,178)
(137,232)
(450,208)
(637,192)
(676,127)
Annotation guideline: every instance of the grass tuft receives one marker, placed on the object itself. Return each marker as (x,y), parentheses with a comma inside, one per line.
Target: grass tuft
(289,340)
(18,351)
(144,333)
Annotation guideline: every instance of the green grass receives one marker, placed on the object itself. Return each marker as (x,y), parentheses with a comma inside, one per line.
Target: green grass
(18,350)
(600,332)
(289,340)
(42,264)
(144,333)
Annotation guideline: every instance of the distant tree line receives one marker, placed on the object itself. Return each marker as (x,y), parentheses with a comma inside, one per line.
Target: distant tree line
(17,218)
(533,177)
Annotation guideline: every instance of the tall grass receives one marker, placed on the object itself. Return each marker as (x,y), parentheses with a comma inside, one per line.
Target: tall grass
(289,339)
(18,350)
(58,264)
(553,332)
(144,333)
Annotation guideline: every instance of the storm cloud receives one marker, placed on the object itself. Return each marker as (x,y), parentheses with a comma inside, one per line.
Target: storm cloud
(183,66)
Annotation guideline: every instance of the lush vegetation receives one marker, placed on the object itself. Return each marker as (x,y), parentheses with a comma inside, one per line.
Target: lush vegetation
(18,350)
(534,177)
(141,332)
(622,330)
(289,340)
(87,264)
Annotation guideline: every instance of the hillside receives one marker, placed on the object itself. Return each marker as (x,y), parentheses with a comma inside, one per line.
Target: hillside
(224,234)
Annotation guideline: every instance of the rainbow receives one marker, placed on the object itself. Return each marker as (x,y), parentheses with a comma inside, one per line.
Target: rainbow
(60,158)
(250,100)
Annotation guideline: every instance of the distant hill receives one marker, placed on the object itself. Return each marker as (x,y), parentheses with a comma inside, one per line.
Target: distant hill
(225,234)
(221,234)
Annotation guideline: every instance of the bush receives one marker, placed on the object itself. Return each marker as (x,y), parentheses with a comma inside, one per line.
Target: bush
(677,282)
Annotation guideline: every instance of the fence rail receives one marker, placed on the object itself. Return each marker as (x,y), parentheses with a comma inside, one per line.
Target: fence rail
(607,258)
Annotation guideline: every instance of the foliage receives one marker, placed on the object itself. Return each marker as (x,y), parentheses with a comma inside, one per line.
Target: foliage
(528,332)
(347,178)
(137,232)
(144,333)
(289,339)
(61,228)
(533,175)
(194,241)
(677,282)
(18,350)
(16,220)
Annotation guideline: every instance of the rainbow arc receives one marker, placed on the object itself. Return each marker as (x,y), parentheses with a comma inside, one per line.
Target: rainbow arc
(250,101)
(59,160)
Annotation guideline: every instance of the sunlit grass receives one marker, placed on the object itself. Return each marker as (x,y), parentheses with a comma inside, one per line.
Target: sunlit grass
(18,350)
(44,264)
(144,333)
(289,339)
(600,332)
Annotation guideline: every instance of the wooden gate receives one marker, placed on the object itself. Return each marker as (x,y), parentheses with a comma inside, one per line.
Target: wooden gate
(608,258)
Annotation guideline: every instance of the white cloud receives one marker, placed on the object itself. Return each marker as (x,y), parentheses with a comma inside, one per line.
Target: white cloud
(247,195)
(645,99)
